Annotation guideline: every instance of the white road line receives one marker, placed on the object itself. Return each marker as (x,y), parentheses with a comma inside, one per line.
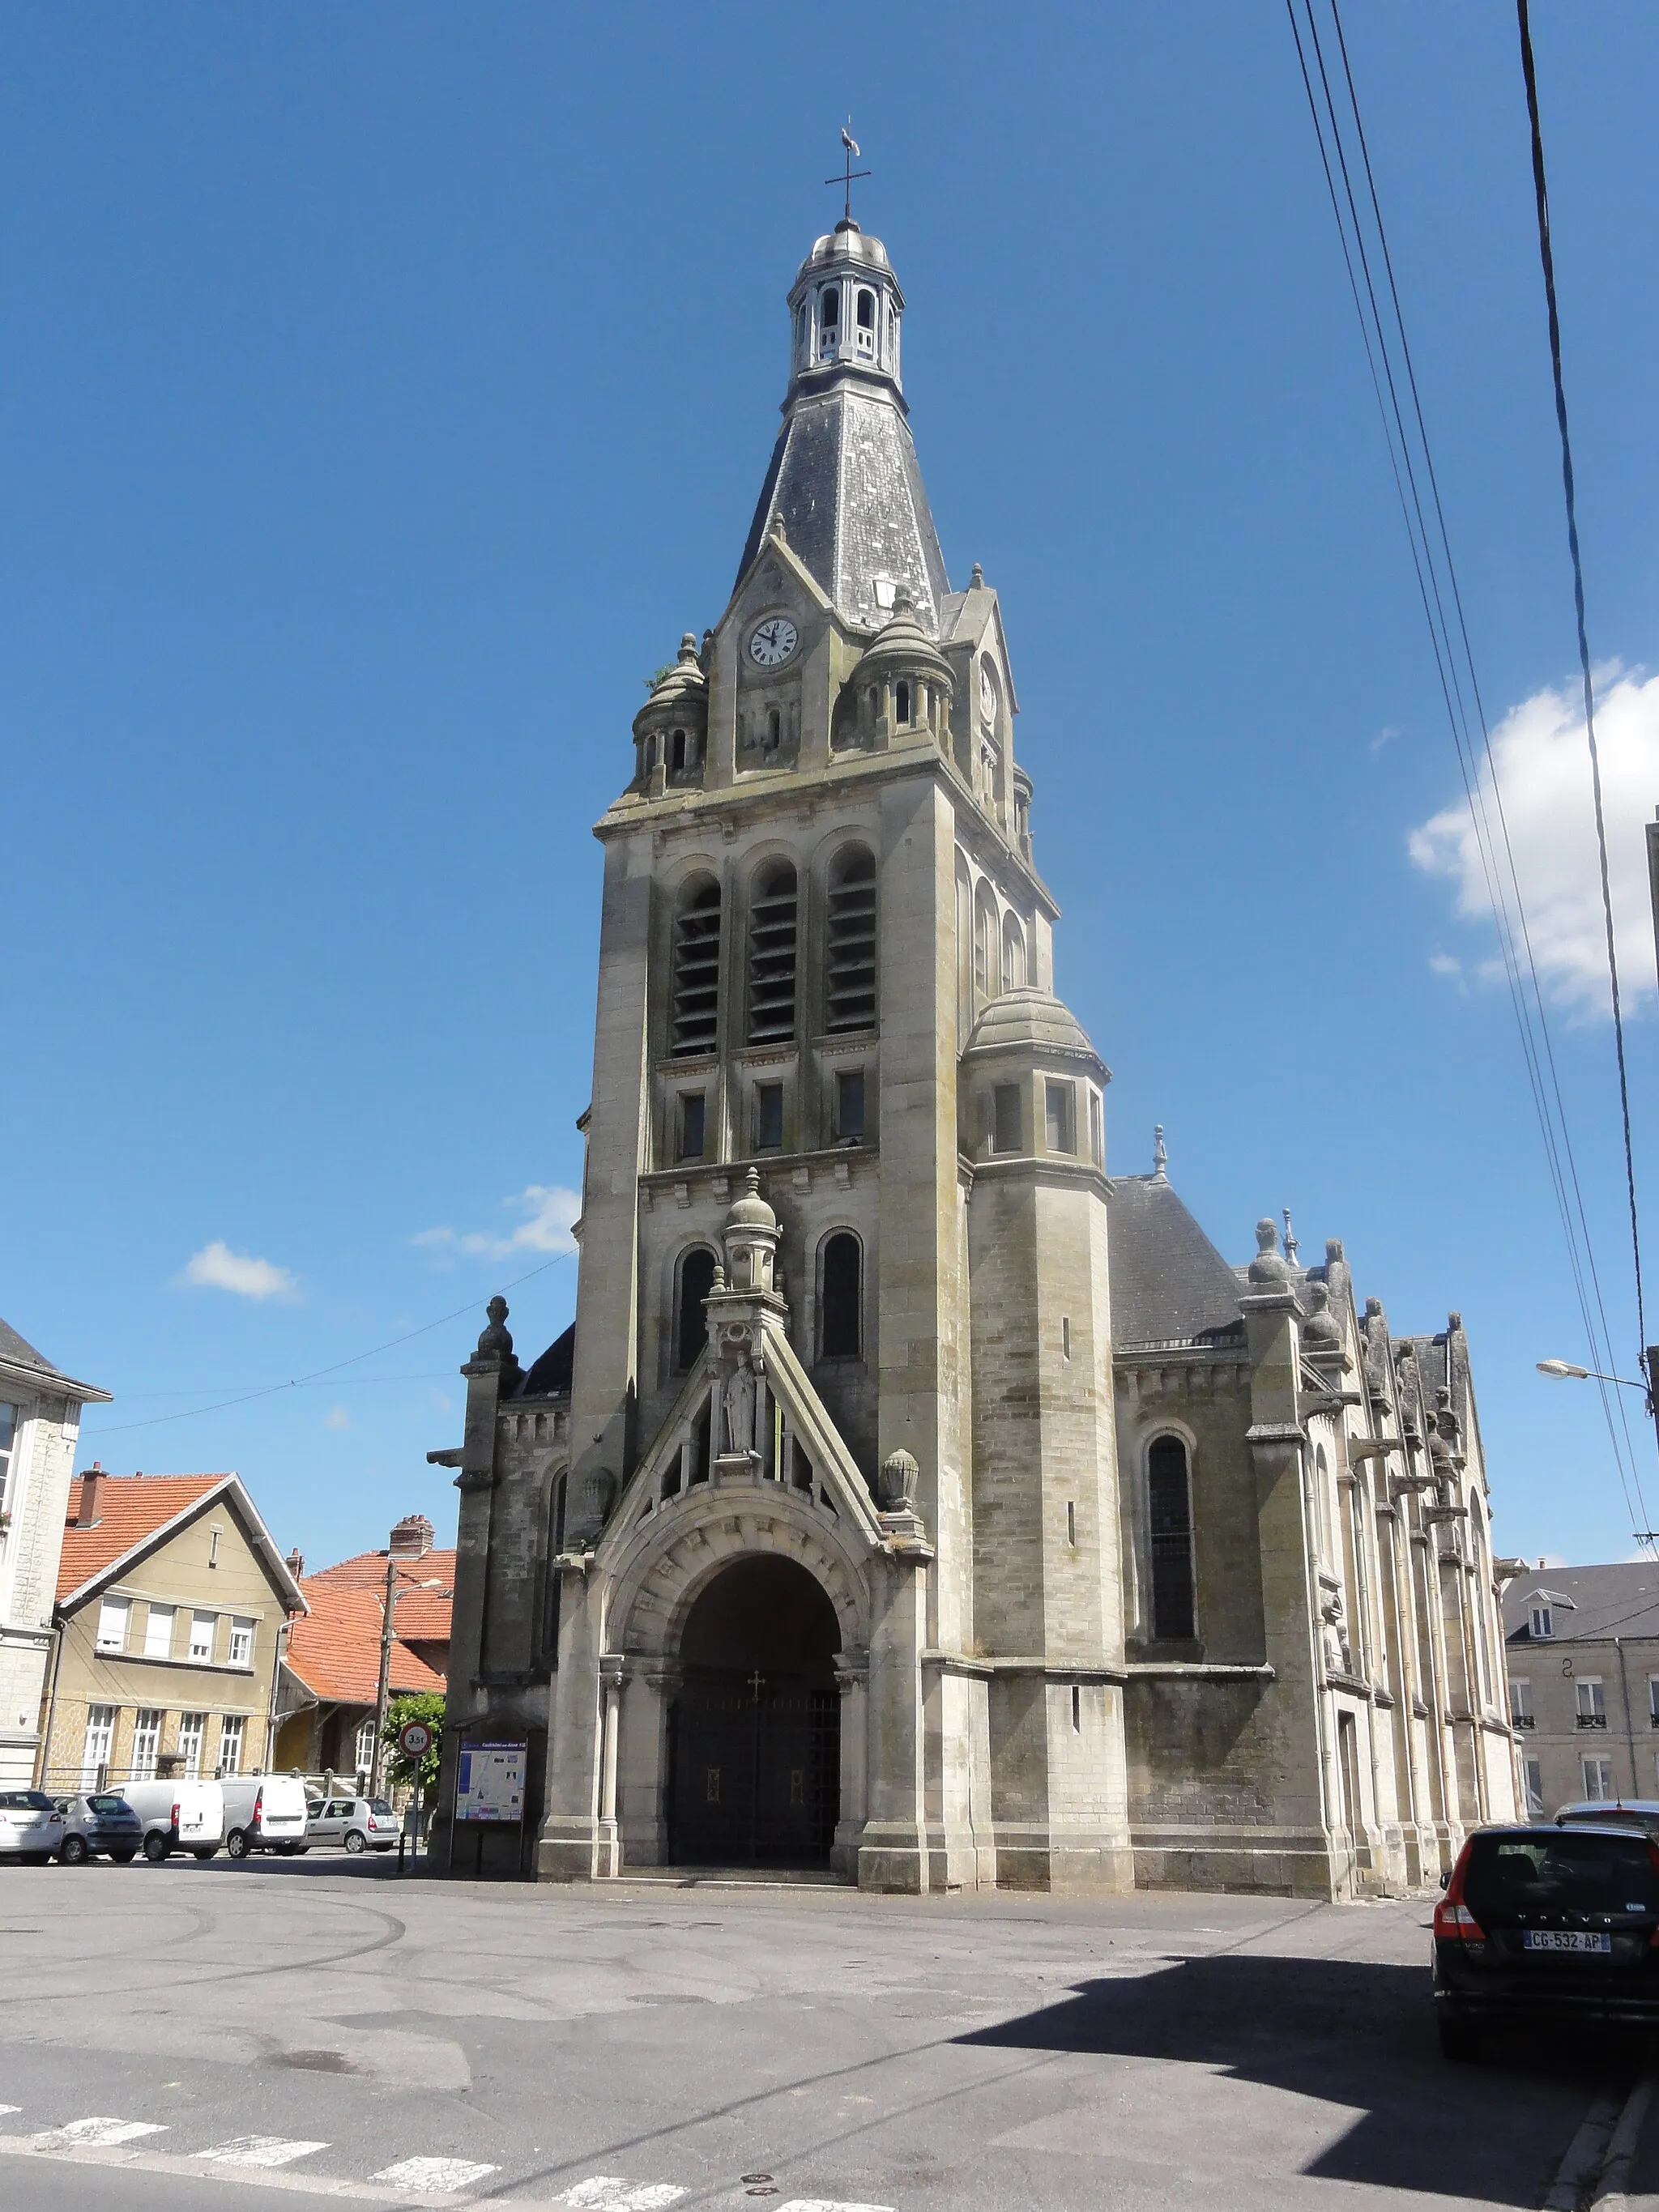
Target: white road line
(608,2192)
(440,2173)
(259,2150)
(103,2130)
(10,2108)
(828,2204)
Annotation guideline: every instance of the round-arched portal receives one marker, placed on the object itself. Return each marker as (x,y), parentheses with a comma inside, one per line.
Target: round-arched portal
(754,1738)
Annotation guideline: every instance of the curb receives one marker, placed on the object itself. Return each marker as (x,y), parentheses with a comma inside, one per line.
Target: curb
(1598,2160)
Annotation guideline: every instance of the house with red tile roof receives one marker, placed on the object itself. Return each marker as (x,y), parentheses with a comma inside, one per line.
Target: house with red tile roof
(173,1607)
(329,1689)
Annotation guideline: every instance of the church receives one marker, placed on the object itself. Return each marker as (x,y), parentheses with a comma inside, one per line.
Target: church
(913,1499)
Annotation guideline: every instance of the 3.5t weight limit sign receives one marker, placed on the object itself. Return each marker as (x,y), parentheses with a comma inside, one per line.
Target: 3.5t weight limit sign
(414,1740)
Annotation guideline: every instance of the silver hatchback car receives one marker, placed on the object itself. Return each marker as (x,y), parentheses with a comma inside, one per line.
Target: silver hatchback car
(361,1823)
(31,1827)
(103,1821)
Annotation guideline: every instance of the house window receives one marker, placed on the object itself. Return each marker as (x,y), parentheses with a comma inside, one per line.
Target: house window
(232,1729)
(192,1727)
(696,1280)
(850,968)
(95,1755)
(1169,1498)
(1598,1780)
(146,1740)
(769,1117)
(1540,1625)
(694,1019)
(1521,1712)
(1532,1775)
(1592,1706)
(1097,1130)
(1062,1117)
(364,1759)
(1005,1118)
(772,917)
(202,1627)
(849,1106)
(241,1642)
(113,1615)
(158,1632)
(840,1328)
(694,1109)
(8,1447)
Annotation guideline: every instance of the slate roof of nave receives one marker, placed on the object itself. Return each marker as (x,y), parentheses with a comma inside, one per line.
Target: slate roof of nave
(1169,1284)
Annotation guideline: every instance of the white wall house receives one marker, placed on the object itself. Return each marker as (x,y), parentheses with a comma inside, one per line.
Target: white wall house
(40,1424)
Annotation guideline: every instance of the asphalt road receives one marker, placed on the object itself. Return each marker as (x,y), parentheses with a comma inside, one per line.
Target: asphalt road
(623,2048)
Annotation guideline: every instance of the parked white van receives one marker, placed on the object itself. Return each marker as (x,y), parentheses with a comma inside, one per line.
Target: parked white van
(178,1815)
(264,1813)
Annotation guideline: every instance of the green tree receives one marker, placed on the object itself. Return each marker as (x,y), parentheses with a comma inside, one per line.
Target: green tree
(426,1705)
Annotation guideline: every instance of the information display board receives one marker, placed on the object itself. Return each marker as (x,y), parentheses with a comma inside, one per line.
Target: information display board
(490,1782)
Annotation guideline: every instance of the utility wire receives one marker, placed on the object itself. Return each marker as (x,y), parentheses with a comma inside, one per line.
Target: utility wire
(1412,459)
(1540,193)
(299,1382)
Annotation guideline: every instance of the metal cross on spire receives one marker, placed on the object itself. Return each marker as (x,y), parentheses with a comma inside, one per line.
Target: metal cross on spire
(852,152)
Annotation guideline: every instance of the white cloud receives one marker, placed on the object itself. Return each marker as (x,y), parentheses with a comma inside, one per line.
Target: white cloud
(217,1267)
(337,1418)
(1385,736)
(1441,963)
(1544,775)
(548,1209)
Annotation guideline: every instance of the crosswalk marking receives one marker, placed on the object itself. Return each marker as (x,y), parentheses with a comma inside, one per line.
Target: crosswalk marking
(260,2150)
(441,2173)
(104,2131)
(608,2192)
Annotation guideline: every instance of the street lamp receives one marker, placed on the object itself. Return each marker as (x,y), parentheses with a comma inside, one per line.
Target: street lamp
(1562,1370)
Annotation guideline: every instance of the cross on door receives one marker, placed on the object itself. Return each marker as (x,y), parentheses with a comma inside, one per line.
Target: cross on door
(756,1684)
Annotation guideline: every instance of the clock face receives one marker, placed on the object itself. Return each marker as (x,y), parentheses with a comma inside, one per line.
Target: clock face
(772,643)
(987,691)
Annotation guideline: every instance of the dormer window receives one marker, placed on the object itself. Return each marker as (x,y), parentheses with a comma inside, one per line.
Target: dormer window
(1540,1624)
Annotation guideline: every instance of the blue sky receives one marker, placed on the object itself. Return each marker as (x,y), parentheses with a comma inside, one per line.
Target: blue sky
(384,391)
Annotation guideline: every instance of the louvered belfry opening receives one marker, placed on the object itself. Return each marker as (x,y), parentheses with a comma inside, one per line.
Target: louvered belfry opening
(773,932)
(850,978)
(697,998)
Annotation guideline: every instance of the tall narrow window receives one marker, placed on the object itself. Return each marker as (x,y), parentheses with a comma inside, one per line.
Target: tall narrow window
(696,1280)
(232,1729)
(1533,1772)
(902,703)
(985,944)
(113,1617)
(202,1628)
(8,1440)
(866,311)
(554,1580)
(772,934)
(769,1117)
(1097,1130)
(192,1727)
(1014,972)
(241,1642)
(1005,1118)
(849,1106)
(1060,1117)
(694,1108)
(146,1742)
(95,1756)
(158,1632)
(840,1331)
(365,1746)
(696,1015)
(1521,1712)
(830,315)
(850,977)
(1170,1495)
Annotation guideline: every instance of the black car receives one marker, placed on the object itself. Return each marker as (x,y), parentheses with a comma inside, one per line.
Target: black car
(1542,1923)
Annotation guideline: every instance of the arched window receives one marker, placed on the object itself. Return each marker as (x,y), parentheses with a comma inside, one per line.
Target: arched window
(902,703)
(772,928)
(840,1332)
(1014,972)
(1171,1498)
(555,1498)
(829,313)
(694,1018)
(773,728)
(850,966)
(964,950)
(691,1323)
(866,311)
(985,943)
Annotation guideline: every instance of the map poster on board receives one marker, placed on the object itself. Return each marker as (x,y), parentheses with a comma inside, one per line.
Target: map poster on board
(490,1782)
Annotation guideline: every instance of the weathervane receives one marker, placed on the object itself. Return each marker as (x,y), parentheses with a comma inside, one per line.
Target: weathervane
(854,153)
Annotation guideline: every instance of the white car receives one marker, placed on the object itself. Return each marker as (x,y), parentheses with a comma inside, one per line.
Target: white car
(361,1823)
(31,1826)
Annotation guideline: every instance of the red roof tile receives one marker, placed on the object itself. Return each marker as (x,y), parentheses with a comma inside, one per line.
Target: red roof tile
(425,1590)
(335,1650)
(133,1507)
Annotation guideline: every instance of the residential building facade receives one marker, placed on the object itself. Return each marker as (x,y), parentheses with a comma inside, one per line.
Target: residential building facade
(330,1679)
(1584,1681)
(39,1427)
(173,1607)
(913,1497)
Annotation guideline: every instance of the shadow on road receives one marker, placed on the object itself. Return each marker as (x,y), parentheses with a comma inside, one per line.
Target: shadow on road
(1350,2034)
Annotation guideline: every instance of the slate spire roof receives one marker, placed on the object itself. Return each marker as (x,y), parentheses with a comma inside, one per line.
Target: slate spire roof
(844,479)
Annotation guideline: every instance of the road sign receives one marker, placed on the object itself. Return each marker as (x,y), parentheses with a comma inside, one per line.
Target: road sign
(414,1739)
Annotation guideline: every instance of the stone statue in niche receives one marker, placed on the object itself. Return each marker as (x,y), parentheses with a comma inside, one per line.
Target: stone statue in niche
(740,1408)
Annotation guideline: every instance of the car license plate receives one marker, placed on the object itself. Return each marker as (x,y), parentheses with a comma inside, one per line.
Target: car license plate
(1559,1939)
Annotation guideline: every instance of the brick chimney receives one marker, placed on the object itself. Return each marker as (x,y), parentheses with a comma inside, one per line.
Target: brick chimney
(92,1498)
(412,1539)
(296,1563)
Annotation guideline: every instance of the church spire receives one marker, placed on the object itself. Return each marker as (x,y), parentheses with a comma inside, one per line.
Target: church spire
(844,478)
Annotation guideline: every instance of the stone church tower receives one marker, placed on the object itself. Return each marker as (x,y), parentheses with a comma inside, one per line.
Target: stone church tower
(845,1527)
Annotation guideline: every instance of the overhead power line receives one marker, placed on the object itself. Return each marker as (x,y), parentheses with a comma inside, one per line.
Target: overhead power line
(1345,156)
(1547,256)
